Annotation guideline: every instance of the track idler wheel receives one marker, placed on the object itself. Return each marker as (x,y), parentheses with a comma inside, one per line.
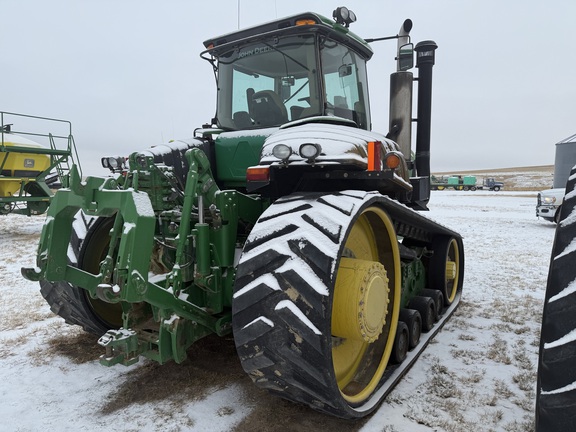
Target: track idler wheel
(445,267)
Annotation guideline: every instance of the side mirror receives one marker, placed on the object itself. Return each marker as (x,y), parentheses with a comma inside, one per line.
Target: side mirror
(406,57)
(286,87)
(345,70)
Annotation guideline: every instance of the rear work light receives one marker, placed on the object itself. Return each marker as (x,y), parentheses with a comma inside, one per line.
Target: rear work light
(282,151)
(310,151)
(258,174)
(113,162)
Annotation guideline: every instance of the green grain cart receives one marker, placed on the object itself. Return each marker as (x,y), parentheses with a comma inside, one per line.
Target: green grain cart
(285,221)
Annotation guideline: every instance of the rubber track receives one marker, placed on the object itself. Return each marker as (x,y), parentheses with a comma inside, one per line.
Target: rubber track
(282,297)
(69,301)
(556,389)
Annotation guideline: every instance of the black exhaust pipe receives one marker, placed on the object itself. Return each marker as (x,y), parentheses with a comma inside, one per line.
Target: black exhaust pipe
(424,62)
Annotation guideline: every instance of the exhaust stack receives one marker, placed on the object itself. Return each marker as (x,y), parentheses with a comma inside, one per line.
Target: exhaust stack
(425,57)
(401,84)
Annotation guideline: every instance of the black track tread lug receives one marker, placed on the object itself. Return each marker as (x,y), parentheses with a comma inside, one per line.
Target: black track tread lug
(294,355)
(335,204)
(257,329)
(259,266)
(291,280)
(298,208)
(257,362)
(258,294)
(66,300)
(265,239)
(332,236)
(312,256)
(556,388)
(301,332)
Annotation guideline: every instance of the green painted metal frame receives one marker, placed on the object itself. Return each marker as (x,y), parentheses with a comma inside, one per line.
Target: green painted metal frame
(124,273)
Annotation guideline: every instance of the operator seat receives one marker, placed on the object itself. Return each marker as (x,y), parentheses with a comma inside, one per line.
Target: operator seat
(268,109)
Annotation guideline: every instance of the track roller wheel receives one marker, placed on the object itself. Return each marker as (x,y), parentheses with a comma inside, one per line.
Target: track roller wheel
(316,301)
(413,321)
(438,298)
(401,343)
(427,309)
(445,268)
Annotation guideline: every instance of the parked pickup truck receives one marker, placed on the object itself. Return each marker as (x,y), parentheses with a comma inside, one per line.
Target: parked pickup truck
(490,184)
(549,203)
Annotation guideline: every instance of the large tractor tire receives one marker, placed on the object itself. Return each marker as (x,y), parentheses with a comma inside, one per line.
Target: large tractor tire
(316,301)
(556,389)
(88,246)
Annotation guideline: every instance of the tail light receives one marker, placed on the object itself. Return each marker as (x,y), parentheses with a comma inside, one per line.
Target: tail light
(258,174)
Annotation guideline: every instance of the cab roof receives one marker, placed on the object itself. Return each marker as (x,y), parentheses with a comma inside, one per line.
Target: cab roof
(290,25)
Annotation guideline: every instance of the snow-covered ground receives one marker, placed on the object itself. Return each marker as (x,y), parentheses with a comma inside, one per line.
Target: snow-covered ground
(478,374)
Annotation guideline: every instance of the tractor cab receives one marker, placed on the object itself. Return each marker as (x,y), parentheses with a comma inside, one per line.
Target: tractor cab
(295,68)
(293,71)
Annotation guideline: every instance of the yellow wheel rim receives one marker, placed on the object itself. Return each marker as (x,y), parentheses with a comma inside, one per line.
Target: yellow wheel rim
(366,305)
(452,269)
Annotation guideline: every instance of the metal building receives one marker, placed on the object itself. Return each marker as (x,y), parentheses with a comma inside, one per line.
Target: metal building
(564,161)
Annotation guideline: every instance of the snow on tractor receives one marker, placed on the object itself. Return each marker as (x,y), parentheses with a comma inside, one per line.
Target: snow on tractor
(285,221)
(30,170)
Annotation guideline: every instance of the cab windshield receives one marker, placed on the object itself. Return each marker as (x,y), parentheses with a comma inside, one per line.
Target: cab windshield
(270,83)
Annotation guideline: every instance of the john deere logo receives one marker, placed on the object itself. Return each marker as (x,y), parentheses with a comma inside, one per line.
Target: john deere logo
(28,163)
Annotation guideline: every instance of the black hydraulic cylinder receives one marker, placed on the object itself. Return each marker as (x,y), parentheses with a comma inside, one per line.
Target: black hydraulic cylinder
(424,62)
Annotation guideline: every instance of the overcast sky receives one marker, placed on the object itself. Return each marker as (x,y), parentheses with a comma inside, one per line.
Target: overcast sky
(128,75)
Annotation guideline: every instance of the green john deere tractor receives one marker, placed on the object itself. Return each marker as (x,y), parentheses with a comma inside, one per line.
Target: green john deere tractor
(285,221)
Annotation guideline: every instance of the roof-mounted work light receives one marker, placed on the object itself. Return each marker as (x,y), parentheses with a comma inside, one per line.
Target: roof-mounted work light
(113,163)
(344,16)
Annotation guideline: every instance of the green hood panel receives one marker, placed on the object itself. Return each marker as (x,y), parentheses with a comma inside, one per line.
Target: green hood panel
(235,152)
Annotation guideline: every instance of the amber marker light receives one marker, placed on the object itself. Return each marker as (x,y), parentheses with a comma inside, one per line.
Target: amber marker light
(392,160)
(303,22)
(259,174)
(374,160)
